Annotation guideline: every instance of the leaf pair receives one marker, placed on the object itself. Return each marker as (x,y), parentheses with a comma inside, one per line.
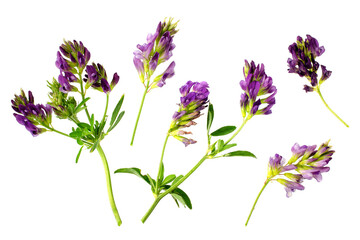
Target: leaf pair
(177,194)
(220,145)
(116,115)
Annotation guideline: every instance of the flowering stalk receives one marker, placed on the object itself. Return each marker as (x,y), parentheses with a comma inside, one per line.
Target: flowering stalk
(156,50)
(303,63)
(194,98)
(307,161)
(72,60)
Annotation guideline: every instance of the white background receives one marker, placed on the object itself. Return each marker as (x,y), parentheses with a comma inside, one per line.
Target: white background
(45,195)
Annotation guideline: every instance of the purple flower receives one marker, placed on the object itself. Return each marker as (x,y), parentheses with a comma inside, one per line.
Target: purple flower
(304,53)
(96,78)
(92,75)
(255,85)
(290,186)
(308,88)
(139,65)
(114,81)
(154,62)
(194,97)
(61,63)
(65,83)
(313,172)
(30,115)
(276,166)
(325,73)
(77,56)
(155,51)
(298,151)
(306,160)
(105,85)
(169,72)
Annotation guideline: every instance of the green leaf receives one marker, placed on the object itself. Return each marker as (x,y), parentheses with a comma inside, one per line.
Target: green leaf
(116,110)
(176,179)
(223,131)
(117,121)
(239,153)
(161,172)
(79,141)
(79,107)
(94,146)
(182,197)
(152,183)
(168,179)
(84,125)
(78,155)
(176,201)
(75,134)
(210,117)
(228,146)
(220,145)
(135,171)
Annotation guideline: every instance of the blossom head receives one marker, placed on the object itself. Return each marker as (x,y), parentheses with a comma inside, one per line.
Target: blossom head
(31,115)
(313,164)
(307,161)
(96,78)
(256,85)
(304,53)
(194,97)
(156,50)
(73,55)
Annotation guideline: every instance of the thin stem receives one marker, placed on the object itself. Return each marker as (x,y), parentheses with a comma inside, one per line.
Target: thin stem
(318,91)
(239,129)
(54,130)
(138,117)
(257,198)
(108,184)
(106,107)
(83,96)
(169,190)
(161,165)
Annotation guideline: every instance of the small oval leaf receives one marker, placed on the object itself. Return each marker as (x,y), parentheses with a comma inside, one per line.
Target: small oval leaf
(168,179)
(223,131)
(135,171)
(210,117)
(239,153)
(78,155)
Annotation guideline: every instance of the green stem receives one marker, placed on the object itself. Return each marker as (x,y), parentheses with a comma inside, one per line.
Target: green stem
(157,200)
(106,107)
(138,117)
(108,184)
(54,130)
(161,165)
(83,96)
(318,91)
(239,129)
(257,198)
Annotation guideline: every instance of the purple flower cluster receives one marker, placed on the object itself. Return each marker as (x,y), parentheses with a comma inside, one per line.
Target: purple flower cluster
(155,51)
(194,97)
(303,61)
(256,84)
(306,160)
(96,77)
(29,114)
(71,59)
